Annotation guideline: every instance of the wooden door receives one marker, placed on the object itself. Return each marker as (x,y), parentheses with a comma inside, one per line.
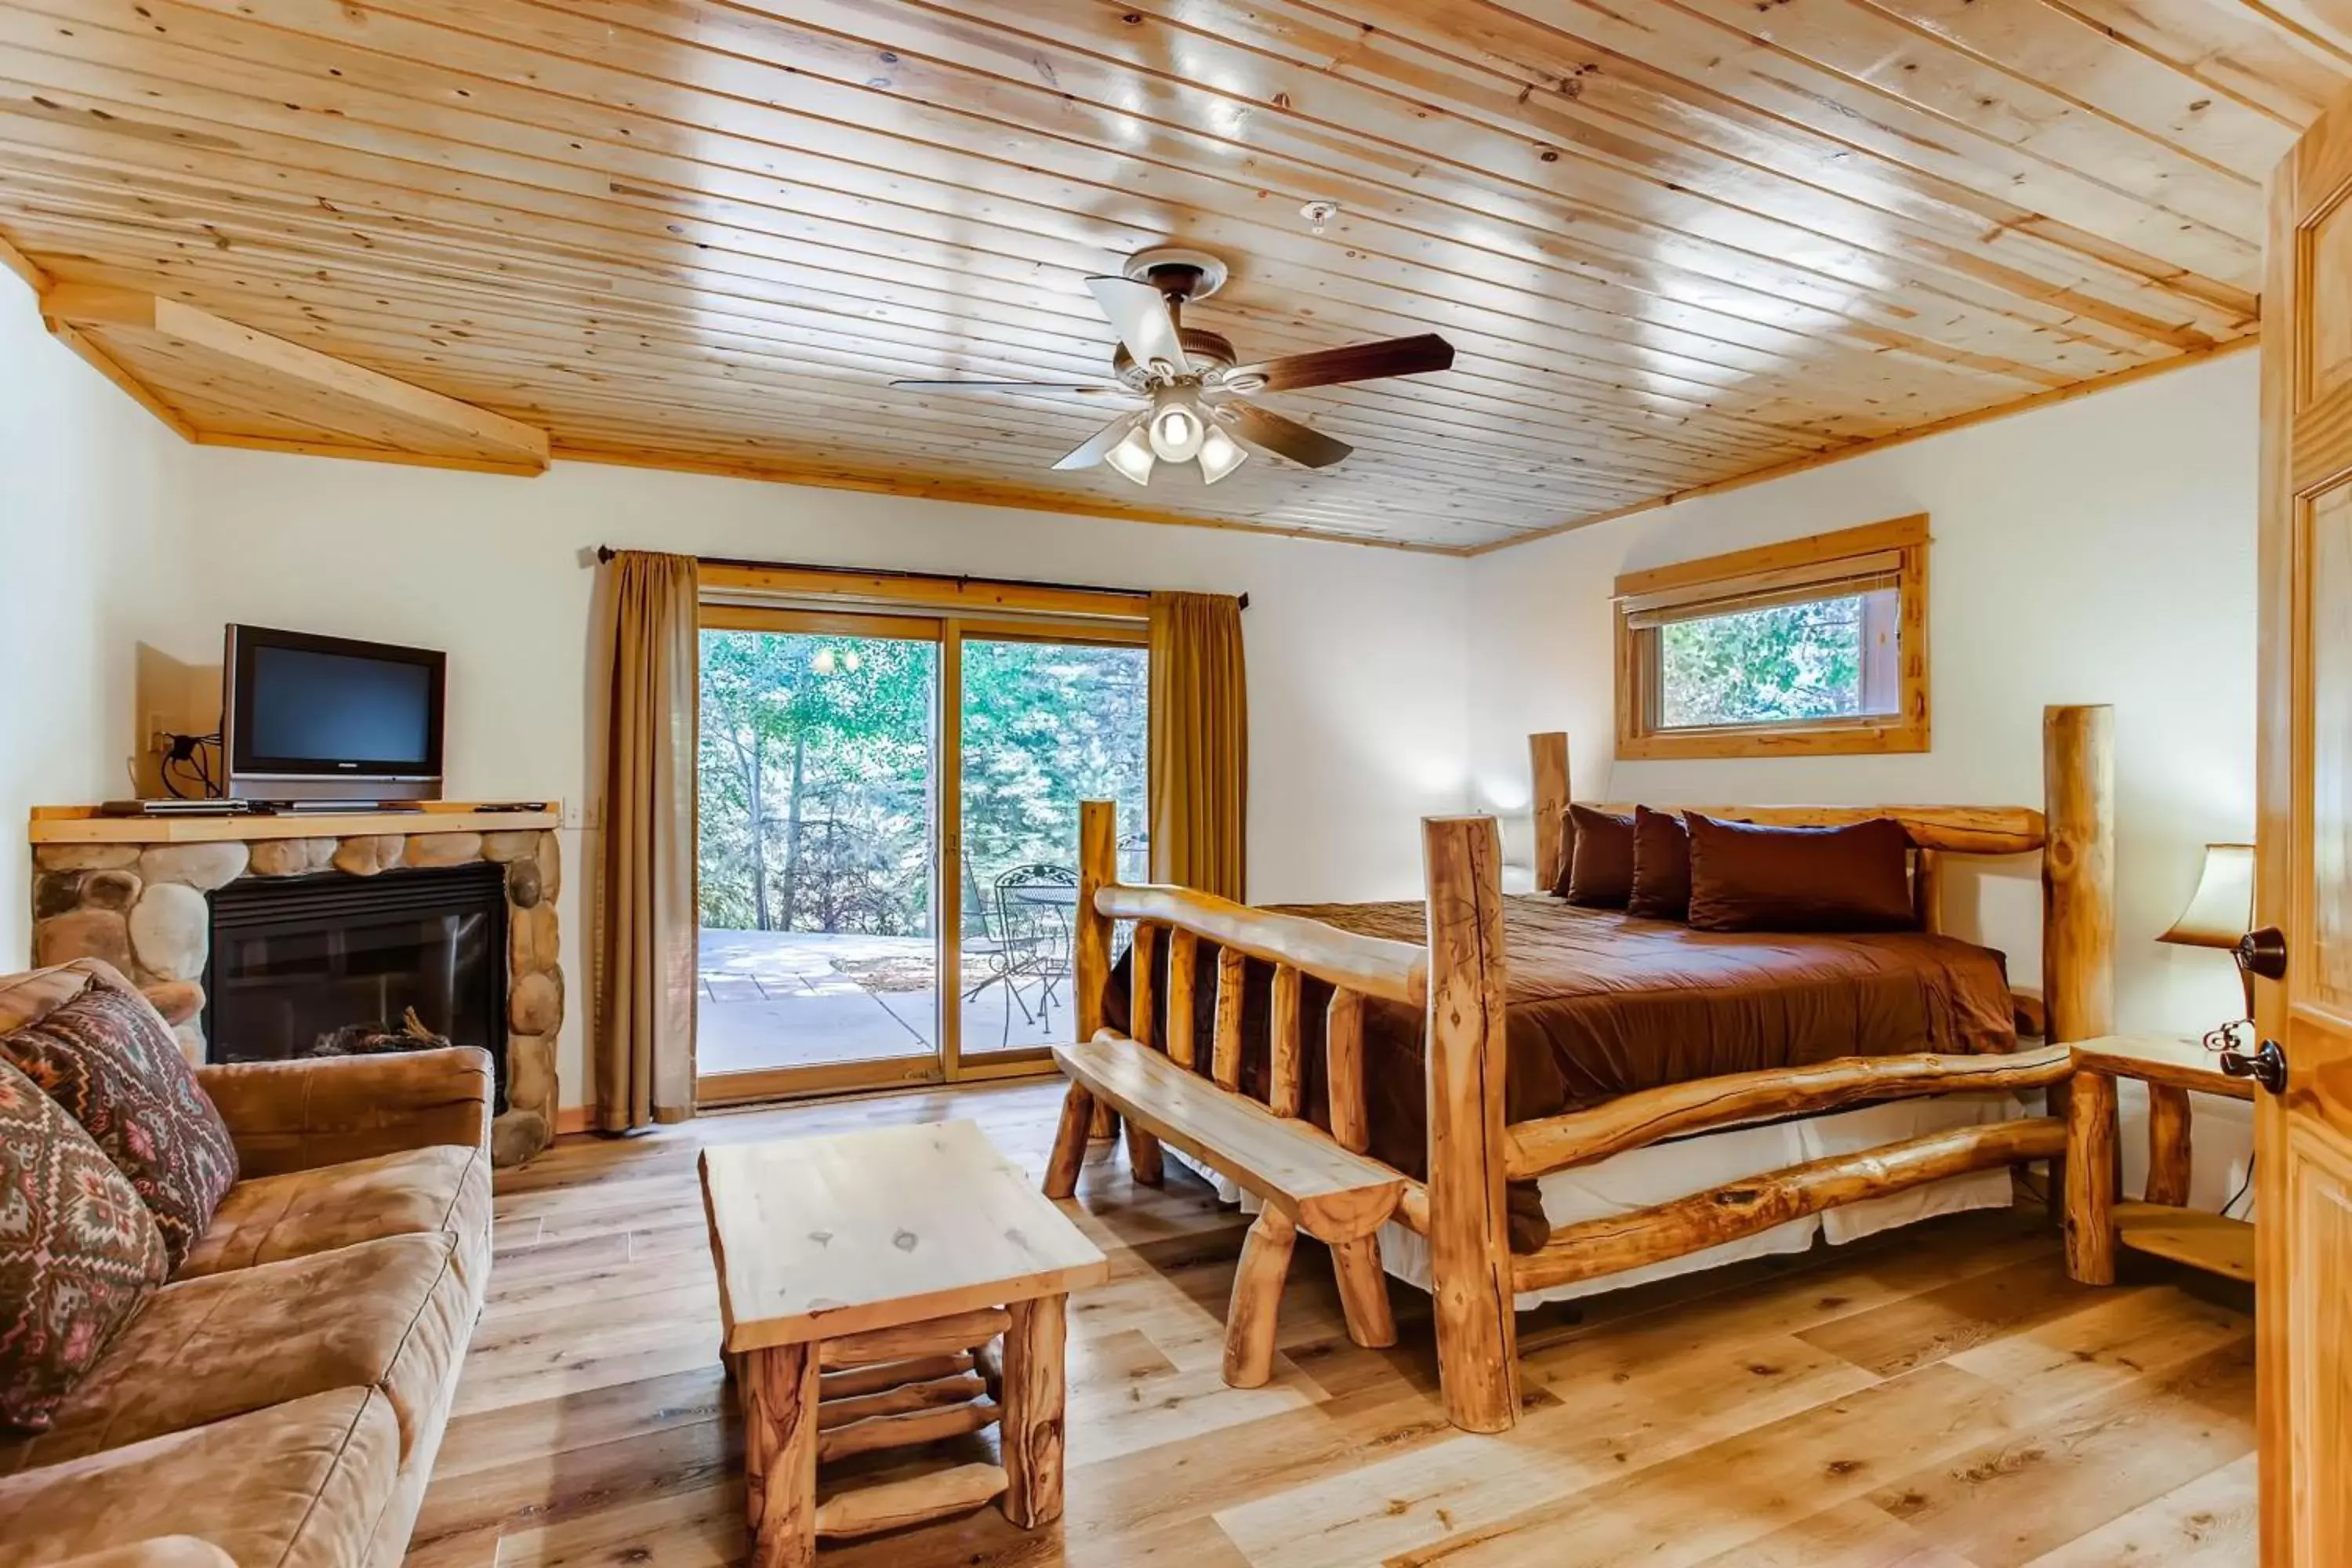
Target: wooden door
(2304,1128)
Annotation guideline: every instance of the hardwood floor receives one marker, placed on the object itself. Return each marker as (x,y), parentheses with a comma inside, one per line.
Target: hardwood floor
(1941,1397)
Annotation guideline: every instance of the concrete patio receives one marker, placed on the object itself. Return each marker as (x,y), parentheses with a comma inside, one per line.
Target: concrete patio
(784,999)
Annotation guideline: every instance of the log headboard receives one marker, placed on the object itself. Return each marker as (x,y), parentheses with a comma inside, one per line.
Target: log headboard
(2074,832)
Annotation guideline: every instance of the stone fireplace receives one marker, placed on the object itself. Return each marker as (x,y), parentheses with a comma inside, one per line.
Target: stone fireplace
(255,936)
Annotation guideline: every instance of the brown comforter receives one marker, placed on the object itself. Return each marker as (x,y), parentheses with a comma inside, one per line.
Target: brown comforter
(1602,1003)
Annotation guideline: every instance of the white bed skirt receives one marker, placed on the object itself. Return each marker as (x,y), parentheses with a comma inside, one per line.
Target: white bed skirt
(1663,1172)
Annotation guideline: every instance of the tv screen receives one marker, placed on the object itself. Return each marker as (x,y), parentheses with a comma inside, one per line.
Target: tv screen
(302,706)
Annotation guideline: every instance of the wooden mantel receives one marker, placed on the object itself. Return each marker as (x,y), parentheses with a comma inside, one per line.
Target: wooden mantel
(82,824)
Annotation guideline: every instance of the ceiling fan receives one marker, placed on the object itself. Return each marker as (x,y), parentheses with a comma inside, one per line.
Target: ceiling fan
(1190,383)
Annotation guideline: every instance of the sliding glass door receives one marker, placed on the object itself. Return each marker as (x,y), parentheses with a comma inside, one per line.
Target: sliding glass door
(1047,720)
(819,834)
(888,832)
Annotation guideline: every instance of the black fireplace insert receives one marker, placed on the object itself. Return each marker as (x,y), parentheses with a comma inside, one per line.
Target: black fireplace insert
(300,962)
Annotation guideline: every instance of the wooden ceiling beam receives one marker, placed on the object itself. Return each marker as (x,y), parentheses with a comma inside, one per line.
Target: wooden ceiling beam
(36,278)
(79,305)
(107,365)
(24,266)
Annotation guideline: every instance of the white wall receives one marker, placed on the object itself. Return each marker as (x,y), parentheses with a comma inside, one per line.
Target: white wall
(91,490)
(1355,655)
(2097,551)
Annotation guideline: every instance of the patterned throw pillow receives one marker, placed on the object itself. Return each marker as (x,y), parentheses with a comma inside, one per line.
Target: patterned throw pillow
(109,1059)
(79,1252)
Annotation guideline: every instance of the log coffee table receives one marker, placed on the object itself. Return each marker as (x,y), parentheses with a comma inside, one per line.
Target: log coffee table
(876,1289)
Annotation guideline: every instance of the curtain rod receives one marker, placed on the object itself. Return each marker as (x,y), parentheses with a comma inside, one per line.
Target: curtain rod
(605,553)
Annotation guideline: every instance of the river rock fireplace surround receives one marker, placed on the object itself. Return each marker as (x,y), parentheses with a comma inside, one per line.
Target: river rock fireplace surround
(451,911)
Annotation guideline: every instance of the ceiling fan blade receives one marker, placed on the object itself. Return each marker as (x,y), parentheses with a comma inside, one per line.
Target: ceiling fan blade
(1357,361)
(1090,451)
(1139,315)
(1284,438)
(1078,388)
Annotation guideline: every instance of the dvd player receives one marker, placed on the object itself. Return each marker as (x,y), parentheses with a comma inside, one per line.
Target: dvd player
(340,807)
(172,807)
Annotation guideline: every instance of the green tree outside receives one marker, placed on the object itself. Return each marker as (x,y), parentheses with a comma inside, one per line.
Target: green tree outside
(815,759)
(1751,667)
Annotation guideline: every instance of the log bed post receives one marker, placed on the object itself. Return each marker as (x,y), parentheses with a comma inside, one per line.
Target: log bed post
(1469,1242)
(1090,931)
(1547,765)
(2078,892)
(2078,872)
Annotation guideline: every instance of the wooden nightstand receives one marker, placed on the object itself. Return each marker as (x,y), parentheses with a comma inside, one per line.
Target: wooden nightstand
(2163,1226)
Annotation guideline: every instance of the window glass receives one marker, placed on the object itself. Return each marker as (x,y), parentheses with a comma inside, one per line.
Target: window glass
(1789,663)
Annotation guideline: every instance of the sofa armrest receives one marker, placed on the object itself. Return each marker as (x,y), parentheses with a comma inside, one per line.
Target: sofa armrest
(156,1552)
(321,1110)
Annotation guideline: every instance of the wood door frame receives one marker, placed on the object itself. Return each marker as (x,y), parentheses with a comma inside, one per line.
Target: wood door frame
(936,622)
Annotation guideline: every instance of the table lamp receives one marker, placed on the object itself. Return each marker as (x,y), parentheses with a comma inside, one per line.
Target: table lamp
(2222,907)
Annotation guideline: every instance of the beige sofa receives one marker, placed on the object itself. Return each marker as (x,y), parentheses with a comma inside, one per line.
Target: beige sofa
(280,1401)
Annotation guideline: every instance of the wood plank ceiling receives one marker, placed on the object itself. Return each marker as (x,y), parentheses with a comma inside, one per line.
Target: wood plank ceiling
(1674,241)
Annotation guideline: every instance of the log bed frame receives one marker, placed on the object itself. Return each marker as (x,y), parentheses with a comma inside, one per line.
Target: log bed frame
(1328,1186)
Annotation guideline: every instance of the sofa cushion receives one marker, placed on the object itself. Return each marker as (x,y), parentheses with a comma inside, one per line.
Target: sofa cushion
(445,1187)
(109,1058)
(296,1486)
(79,1252)
(297,1115)
(31,996)
(156,1552)
(391,1314)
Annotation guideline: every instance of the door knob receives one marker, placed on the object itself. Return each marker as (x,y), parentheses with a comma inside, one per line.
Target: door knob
(2264,952)
(2266,1064)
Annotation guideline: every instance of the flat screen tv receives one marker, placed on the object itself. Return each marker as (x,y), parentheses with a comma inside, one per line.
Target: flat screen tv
(305,716)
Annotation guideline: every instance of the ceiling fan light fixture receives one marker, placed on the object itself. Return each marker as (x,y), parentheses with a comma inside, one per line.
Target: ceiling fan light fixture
(1177,426)
(1133,456)
(1220,455)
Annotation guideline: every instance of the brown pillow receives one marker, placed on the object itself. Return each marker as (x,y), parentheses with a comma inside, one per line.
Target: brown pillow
(1662,866)
(79,1252)
(1600,865)
(109,1060)
(1745,877)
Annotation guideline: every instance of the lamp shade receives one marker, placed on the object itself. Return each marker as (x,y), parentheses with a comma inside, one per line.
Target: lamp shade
(2224,905)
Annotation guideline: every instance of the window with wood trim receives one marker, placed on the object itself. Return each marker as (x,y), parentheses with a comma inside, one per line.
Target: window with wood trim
(1814,647)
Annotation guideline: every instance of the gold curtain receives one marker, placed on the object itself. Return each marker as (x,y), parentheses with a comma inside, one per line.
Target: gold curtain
(645,925)
(1199,744)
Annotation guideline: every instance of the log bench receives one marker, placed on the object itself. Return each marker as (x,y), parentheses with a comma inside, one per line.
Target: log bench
(1306,1181)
